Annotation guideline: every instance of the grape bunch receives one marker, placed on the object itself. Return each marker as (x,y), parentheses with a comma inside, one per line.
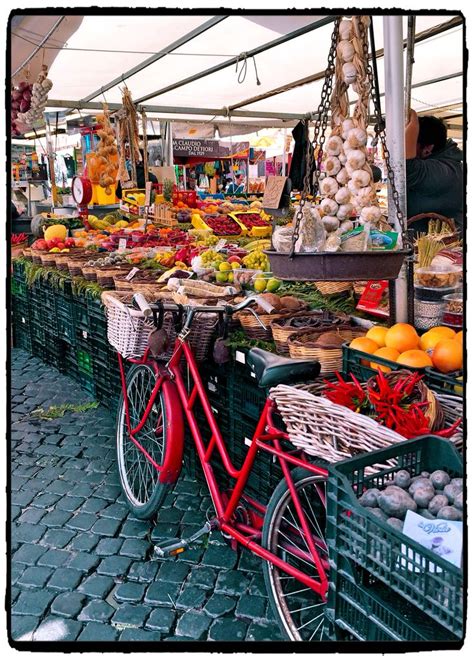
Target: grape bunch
(211,259)
(257,260)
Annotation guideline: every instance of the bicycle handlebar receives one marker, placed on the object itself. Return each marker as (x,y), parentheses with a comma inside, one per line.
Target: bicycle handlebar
(141,303)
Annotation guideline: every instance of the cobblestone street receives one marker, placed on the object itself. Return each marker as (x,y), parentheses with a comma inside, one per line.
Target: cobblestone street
(81,567)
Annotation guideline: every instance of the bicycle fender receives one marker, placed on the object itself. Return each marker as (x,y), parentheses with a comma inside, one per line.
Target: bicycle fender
(173,460)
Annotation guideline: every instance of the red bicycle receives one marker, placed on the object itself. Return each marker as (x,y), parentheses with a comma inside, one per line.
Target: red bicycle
(288,533)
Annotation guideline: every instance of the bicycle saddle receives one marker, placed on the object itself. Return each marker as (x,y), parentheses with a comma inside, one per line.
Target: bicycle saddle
(271,369)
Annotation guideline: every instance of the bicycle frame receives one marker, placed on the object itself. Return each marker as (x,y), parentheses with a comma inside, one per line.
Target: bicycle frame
(266,437)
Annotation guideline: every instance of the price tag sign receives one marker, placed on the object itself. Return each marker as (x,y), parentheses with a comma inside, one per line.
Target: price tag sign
(132,273)
(220,245)
(122,245)
(148,188)
(274,188)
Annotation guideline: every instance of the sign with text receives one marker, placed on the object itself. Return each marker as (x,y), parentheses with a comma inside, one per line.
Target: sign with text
(274,188)
(196,148)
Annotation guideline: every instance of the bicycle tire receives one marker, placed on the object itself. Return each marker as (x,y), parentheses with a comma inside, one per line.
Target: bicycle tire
(289,604)
(143,492)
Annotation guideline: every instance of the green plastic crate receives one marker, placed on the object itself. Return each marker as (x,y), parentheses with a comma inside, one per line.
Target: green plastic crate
(353,361)
(356,536)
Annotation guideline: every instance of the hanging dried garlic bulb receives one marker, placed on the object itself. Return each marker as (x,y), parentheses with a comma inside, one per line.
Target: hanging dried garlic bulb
(371,214)
(345,30)
(345,50)
(356,138)
(355,158)
(332,165)
(343,177)
(361,178)
(342,196)
(349,72)
(329,207)
(347,124)
(328,186)
(334,146)
(345,211)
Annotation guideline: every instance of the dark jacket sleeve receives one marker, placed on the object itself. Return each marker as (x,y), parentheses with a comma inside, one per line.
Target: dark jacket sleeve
(433,176)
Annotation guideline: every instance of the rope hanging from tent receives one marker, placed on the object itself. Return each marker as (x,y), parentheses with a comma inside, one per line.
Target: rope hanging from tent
(127,119)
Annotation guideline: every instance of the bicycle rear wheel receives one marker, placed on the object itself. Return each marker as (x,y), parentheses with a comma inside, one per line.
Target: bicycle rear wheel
(297,608)
(139,479)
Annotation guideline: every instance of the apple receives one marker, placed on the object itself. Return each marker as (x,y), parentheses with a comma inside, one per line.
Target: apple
(60,245)
(234,258)
(70,242)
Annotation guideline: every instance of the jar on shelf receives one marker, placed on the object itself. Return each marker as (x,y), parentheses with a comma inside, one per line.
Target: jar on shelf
(428,314)
(453,313)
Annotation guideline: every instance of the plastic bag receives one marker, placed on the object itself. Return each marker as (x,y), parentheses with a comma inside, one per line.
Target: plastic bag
(355,240)
(282,239)
(312,237)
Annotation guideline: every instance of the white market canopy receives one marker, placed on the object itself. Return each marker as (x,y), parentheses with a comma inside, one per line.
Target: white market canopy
(183,67)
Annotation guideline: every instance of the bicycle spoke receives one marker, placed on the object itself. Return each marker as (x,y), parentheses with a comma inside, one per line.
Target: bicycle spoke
(317,628)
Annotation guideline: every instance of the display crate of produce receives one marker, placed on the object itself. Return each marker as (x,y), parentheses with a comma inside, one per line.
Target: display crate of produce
(219,224)
(253,223)
(187,197)
(161,213)
(372,550)
(358,363)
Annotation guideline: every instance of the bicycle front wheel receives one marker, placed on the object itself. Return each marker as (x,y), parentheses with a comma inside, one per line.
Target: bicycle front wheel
(298,609)
(139,478)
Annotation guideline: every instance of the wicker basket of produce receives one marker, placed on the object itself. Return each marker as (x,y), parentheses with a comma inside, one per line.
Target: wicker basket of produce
(27,253)
(330,288)
(139,282)
(76,262)
(48,259)
(284,307)
(323,344)
(283,329)
(105,275)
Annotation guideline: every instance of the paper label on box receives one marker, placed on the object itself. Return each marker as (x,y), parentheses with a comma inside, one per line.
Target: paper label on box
(220,245)
(240,357)
(132,273)
(122,245)
(374,299)
(85,334)
(440,536)
(247,441)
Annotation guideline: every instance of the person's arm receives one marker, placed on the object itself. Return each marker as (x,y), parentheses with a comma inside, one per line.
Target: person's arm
(412,130)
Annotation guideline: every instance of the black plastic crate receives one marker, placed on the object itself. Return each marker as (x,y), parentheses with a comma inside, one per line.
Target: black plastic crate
(355,536)
(19,289)
(246,397)
(80,315)
(54,354)
(369,612)
(38,335)
(22,337)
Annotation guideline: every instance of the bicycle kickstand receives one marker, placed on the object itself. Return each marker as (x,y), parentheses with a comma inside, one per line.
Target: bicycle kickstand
(176,548)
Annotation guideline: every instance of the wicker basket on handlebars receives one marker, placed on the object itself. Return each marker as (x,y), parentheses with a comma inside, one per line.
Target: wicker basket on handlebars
(128,330)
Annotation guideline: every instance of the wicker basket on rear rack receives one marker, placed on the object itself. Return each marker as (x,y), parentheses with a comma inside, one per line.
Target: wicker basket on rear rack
(128,330)
(326,430)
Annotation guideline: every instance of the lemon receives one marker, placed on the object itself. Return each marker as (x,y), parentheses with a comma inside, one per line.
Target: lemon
(260,285)
(225,266)
(221,276)
(235,265)
(55,250)
(230,277)
(273,284)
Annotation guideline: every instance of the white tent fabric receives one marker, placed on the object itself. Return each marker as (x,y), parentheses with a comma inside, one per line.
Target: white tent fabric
(79,69)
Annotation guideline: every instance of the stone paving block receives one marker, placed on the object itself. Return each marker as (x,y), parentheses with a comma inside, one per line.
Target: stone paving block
(45,500)
(115,511)
(57,629)
(23,627)
(193,517)
(33,602)
(173,571)
(231,583)
(84,542)
(250,562)
(259,632)
(222,557)
(193,555)
(31,533)
(139,635)
(108,492)
(94,632)
(34,577)
(164,532)
(114,566)
(65,578)
(135,548)
(69,503)
(56,518)
(161,619)
(162,594)
(82,521)
(15,511)
(16,571)
(135,528)
(54,558)
(58,487)
(251,607)
(257,586)
(94,505)
(172,516)
(68,604)
(202,577)
(191,597)
(97,586)
(23,498)
(143,572)
(130,592)
(28,554)
(84,562)
(73,475)
(193,624)
(108,546)
(58,537)
(82,490)
(106,527)
(226,629)
(96,610)
(131,616)
(188,502)
(219,605)
(31,515)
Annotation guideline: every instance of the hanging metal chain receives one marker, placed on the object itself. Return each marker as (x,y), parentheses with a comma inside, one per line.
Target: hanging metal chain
(380,127)
(314,150)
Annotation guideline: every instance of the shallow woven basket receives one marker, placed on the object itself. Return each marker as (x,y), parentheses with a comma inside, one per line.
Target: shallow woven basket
(90,273)
(142,281)
(333,432)
(76,262)
(281,333)
(359,286)
(303,345)
(48,259)
(330,288)
(28,253)
(105,275)
(254,330)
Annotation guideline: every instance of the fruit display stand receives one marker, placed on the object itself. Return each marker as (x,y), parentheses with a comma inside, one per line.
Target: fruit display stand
(219,225)
(253,222)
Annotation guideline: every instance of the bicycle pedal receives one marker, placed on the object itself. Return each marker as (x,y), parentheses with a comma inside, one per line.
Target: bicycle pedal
(175,548)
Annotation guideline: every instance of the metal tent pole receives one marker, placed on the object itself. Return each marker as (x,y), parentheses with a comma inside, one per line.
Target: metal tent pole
(395,129)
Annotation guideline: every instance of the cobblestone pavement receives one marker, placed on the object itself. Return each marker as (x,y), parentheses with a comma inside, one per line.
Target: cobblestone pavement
(80,563)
